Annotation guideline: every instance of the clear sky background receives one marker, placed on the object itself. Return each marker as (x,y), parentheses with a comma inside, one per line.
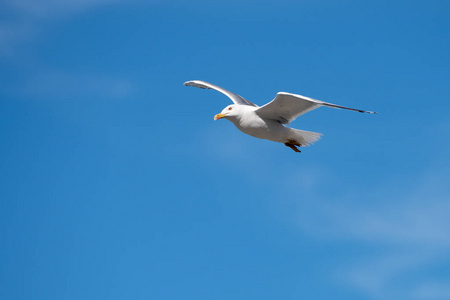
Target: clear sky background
(116,183)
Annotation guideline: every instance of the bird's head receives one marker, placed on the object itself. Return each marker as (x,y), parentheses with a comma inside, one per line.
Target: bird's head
(228,112)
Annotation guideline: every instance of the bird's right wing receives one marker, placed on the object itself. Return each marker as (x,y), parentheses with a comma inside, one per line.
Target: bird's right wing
(234,97)
(287,107)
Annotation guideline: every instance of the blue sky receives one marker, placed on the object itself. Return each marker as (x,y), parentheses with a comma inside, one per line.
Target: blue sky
(118,184)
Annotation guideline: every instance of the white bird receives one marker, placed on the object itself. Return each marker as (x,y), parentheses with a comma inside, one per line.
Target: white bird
(269,121)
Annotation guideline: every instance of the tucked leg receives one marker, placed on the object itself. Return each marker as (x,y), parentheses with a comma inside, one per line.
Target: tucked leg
(292,147)
(292,144)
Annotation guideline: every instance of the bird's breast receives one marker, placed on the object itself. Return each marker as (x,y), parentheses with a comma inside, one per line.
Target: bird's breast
(261,128)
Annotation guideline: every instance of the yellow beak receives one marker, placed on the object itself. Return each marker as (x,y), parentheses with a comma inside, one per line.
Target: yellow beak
(218,116)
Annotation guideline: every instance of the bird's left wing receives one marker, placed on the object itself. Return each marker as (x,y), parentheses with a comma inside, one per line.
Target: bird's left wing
(234,97)
(286,107)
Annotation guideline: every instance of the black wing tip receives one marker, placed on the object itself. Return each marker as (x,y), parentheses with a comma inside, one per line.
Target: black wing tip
(196,83)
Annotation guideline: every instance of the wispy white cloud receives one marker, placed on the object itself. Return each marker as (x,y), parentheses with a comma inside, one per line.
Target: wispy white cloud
(432,291)
(390,275)
(65,85)
(27,18)
(408,234)
(54,8)
(13,34)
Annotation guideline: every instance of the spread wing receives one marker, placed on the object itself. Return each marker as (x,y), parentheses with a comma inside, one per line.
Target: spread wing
(286,107)
(234,97)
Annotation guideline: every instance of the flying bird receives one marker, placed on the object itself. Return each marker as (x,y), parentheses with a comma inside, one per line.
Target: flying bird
(269,121)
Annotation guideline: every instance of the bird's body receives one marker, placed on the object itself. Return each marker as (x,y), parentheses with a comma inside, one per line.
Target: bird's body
(250,123)
(269,121)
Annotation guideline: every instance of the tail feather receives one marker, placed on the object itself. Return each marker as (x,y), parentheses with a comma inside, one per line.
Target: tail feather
(305,138)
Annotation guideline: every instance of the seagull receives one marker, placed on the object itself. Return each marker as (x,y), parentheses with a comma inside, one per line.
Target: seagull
(269,121)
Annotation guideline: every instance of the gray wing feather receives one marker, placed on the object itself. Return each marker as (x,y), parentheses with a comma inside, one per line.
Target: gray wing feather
(287,107)
(234,97)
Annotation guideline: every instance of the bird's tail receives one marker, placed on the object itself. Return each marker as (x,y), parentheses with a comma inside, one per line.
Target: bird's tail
(305,138)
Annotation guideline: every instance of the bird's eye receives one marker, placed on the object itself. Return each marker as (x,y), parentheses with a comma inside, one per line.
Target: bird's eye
(230,108)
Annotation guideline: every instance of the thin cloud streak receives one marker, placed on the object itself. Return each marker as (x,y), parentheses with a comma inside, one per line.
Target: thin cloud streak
(54,8)
(412,230)
(27,18)
(64,85)
(432,291)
